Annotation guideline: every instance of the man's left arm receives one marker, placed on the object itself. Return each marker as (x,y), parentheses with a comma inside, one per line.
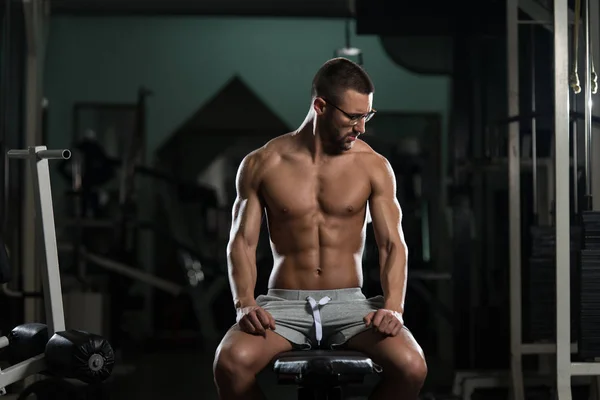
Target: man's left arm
(387,226)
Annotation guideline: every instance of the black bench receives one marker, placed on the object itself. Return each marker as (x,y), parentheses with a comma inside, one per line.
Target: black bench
(321,374)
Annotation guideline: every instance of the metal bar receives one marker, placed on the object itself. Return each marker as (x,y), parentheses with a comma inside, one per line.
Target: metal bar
(429,275)
(30,26)
(575,135)
(588,107)
(539,12)
(22,370)
(18,154)
(595,145)
(32,96)
(5,94)
(584,369)
(425,232)
(514,199)
(46,234)
(534,22)
(562,196)
(54,154)
(543,348)
(534,127)
(540,22)
(169,287)
(42,154)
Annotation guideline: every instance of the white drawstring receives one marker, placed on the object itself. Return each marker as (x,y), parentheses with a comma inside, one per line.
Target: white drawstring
(314,305)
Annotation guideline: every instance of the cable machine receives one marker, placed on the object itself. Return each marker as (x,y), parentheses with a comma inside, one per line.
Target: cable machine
(589,254)
(587,347)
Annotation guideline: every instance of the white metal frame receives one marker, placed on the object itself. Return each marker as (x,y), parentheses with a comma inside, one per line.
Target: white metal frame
(565,368)
(563,347)
(563,206)
(46,250)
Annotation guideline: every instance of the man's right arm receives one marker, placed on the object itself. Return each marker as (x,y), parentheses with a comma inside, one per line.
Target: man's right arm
(245,231)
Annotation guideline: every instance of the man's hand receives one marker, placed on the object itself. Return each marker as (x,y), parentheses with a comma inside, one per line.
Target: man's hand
(254,320)
(386,322)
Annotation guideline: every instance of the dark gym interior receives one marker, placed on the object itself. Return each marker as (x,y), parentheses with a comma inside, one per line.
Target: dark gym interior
(158,102)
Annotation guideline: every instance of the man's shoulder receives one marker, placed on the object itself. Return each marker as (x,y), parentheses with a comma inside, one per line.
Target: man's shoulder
(267,154)
(369,158)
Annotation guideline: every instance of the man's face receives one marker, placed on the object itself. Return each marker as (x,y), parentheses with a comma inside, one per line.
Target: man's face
(341,123)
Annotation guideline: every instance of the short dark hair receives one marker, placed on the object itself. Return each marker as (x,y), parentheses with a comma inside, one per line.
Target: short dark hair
(338,75)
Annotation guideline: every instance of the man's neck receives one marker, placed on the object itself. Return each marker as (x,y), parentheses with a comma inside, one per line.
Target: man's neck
(310,138)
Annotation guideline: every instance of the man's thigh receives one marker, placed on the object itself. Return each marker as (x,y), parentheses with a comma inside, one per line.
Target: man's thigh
(252,351)
(398,353)
(344,319)
(293,320)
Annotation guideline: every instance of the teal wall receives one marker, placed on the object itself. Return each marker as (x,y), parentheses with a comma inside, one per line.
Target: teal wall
(186,60)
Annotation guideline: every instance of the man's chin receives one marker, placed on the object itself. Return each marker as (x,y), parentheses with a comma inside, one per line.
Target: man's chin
(348,146)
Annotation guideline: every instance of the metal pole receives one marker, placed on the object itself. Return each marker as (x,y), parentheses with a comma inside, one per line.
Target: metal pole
(41,155)
(561,160)
(575,158)
(588,108)
(46,242)
(514,199)
(32,136)
(45,231)
(534,128)
(135,274)
(594,146)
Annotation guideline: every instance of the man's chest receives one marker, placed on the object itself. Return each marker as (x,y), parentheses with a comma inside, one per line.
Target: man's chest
(331,190)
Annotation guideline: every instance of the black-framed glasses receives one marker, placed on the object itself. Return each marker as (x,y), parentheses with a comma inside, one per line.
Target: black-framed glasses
(354,118)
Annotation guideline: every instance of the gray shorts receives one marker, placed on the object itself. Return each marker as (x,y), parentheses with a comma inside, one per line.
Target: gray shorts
(318,318)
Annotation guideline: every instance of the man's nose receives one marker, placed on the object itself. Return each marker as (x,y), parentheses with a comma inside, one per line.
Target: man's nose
(360,126)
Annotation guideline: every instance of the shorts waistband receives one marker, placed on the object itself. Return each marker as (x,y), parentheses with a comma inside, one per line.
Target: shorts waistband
(334,294)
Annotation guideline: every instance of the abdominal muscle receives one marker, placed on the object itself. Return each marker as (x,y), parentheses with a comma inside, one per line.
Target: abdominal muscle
(317,256)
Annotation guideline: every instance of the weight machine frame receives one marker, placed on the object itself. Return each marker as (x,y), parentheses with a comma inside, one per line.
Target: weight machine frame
(45,240)
(565,368)
(517,347)
(563,347)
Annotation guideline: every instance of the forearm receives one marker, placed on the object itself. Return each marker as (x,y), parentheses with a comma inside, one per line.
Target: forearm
(392,259)
(242,273)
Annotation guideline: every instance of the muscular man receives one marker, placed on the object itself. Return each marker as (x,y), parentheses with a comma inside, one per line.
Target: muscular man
(314,184)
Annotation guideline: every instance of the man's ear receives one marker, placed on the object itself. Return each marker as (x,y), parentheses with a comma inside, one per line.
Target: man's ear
(319,105)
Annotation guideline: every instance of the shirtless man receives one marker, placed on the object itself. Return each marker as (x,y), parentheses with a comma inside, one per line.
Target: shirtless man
(314,185)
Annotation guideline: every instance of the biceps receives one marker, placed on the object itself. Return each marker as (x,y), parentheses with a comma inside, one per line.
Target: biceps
(386,216)
(246,219)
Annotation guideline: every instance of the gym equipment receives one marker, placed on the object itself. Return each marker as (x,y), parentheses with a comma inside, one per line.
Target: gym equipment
(26,341)
(322,374)
(66,350)
(206,277)
(49,348)
(588,302)
(5,271)
(589,282)
(542,281)
(565,367)
(540,277)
